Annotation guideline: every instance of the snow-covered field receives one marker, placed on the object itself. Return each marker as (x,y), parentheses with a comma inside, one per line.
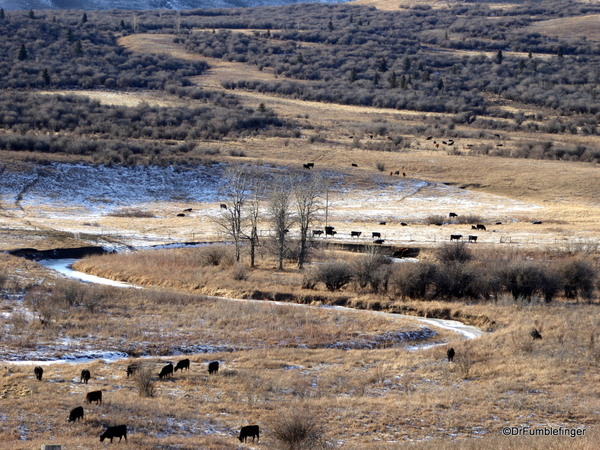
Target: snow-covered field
(79,199)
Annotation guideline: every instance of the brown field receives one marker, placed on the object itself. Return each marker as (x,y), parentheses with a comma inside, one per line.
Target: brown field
(277,363)
(570,27)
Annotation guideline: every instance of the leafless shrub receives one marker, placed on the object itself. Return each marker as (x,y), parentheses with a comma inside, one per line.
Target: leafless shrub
(131,212)
(143,381)
(455,252)
(335,274)
(371,270)
(434,219)
(213,255)
(413,280)
(299,429)
(380,166)
(468,219)
(579,278)
(464,364)
(310,279)
(92,299)
(237,153)
(240,272)
(18,322)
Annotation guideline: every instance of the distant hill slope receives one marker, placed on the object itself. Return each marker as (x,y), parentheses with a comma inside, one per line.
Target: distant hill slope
(98,5)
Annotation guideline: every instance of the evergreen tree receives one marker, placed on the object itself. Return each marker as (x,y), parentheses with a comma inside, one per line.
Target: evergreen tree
(22,53)
(78,49)
(353,75)
(393,80)
(440,84)
(499,57)
(46,76)
(560,53)
(383,66)
(530,55)
(406,66)
(330,25)
(376,79)
(403,82)
(84,19)
(2,14)
(122,24)
(262,108)
(426,76)
(31,14)
(69,35)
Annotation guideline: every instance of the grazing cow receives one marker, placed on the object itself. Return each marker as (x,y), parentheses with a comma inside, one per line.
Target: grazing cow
(497,135)
(397,172)
(311,164)
(249,431)
(437,145)
(472,238)
(317,232)
(455,237)
(439,224)
(187,210)
(350,137)
(391,173)
(85,376)
(404,224)
(183,364)
(223,206)
(119,431)
(354,165)
(94,396)
(375,234)
(450,354)
(132,369)
(428,138)
(378,241)
(38,371)
(444,142)
(213,367)
(370,136)
(498,223)
(481,226)
(166,371)
(355,233)
(498,145)
(181,215)
(537,222)
(76,414)
(473,227)
(403,174)
(382,223)
(329,231)
(450,142)
(535,334)
(452,215)
(306,166)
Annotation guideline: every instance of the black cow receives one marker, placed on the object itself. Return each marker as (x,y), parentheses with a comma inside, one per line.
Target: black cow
(329,231)
(223,206)
(311,164)
(317,232)
(450,354)
(166,371)
(375,234)
(428,138)
(94,396)
(119,431)
(354,165)
(473,227)
(306,166)
(183,364)
(481,226)
(38,371)
(132,368)
(537,222)
(378,241)
(181,215)
(355,233)
(397,172)
(382,223)
(213,367)
(472,238)
(452,215)
(187,210)
(85,376)
(404,224)
(249,431)
(455,237)
(535,334)
(76,414)
(498,223)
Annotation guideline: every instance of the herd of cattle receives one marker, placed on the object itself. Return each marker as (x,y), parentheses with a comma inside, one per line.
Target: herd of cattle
(120,431)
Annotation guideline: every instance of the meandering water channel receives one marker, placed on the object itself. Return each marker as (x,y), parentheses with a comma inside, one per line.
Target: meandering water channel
(63,266)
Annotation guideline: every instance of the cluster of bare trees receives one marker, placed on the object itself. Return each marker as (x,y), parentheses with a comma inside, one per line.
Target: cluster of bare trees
(253,197)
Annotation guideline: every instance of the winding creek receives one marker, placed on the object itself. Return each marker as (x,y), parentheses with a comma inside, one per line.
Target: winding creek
(63,266)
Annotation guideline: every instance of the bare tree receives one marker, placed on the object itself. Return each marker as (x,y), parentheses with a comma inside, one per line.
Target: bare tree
(235,191)
(253,214)
(307,190)
(279,209)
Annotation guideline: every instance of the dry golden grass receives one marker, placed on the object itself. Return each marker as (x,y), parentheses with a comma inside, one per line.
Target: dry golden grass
(570,27)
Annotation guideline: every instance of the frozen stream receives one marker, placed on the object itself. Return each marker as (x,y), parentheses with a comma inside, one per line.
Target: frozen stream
(64,266)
